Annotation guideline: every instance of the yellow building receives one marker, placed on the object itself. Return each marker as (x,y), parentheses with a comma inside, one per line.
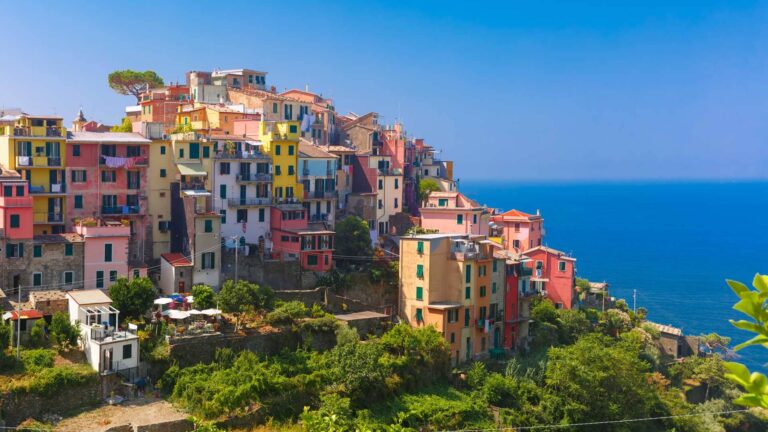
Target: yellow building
(160,173)
(281,142)
(35,146)
(446,282)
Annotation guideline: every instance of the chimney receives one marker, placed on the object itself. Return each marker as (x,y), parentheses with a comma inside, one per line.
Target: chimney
(538,212)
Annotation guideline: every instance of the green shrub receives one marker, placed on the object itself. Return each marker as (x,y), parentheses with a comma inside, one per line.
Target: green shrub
(37,359)
(50,381)
(287,312)
(63,333)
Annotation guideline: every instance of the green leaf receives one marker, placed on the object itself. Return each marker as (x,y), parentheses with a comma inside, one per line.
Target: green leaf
(757,340)
(747,325)
(761,283)
(747,306)
(737,286)
(738,370)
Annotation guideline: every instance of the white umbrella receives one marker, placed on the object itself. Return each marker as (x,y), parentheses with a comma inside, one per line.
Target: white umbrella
(177,314)
(194,312)
(163,301)
(212,312)
(190,299)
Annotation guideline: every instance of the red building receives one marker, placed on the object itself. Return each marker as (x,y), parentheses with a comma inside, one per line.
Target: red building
(293,239)
(15,207)
(553,275)
(160,105)
(107,174)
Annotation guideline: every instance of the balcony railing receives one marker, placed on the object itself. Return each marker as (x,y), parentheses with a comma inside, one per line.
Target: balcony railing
(254,177)
(319,218)
(249,202)
(320,194)
(41,131)
(139,161)
(48,218)
(38,161)
(49,189)
(240,155)
(16,201)
(193,186)
(120,210)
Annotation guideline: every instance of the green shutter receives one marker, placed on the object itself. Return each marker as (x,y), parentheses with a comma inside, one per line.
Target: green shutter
(495,266)
(420,247)
(108,252)
(162,172)
(37,279)
(467,292)
(261,215)
(208,225)
(68,249)
(419,293)
(419,270)
(466,317)
(37,251)
(223,191)
(468,274)
(206,152)
(419,315)
(99,279)
(459,219)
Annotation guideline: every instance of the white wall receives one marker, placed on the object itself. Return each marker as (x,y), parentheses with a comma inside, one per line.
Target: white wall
(167,277)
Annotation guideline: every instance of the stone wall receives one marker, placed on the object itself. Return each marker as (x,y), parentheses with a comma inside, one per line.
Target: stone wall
(202,349)
(277,275)
(308,297)
(16,407)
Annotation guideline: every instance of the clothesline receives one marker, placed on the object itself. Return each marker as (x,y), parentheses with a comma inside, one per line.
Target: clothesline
(119,162)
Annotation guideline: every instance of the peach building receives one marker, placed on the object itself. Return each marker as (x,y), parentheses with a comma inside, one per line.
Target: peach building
(106,252)
(454,213)
(519,231)
(446,281)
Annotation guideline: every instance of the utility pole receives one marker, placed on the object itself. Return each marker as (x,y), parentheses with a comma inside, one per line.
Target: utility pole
(18,325)
(634,301)
(237,246)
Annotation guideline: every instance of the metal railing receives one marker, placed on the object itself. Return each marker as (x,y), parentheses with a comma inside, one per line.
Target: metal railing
(25,201)
(254,177)
(245,202)
(193,186)
(38,161)
(238,154)
(53,188)
(48,218)
(118,210)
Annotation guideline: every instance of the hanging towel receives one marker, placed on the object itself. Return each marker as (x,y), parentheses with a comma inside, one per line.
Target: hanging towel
(24,160)
(305,125)
(130,162)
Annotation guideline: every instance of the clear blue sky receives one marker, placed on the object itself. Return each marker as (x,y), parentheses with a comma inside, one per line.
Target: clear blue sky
(645,90)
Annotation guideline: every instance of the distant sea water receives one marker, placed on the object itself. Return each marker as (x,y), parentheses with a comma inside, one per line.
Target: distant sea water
(673,242)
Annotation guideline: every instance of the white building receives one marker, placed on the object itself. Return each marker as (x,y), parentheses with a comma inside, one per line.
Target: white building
(242,179)
(107,349)
(318,175)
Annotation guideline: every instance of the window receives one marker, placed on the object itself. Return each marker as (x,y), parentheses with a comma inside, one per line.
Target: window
(474,218)
(69,277)
(561,266)
(290,169)
(293,129)
(7,191)
(419,315)
(162,172)
(242,215)
(108,252)
(108,176)
(99,279)
(181,152)
(420,247)
(277,170)
(78,201)
(290,150)
(459,219)
(442,202)
(493,288)
(419,293)
(75,149)
(37,279)
(208,226)
(483,290)
(13,250)
(468,273)
(397,183)
(516,244)
(224,168)
(453,315)
(274,107)
(466,317)
(312,260)
(223,191)
(420,271)
(68,249)
(381,205)
(467,292)
(209,259)
(381,184)
(517,226)
(206,152)
(78,176)
(136,273)
(162,150)
(277,150)
(127,351)
(395,202)
(453,337)
(20,190)
(223,214)
(15,221)
(261,215)
(37,251)
(194,150)
(495,266)
(112,275)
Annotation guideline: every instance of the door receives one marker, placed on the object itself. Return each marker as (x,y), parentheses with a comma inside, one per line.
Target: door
(317,209)
(242,194)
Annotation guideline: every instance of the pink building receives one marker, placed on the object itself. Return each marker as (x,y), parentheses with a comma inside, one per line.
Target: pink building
(519,231)
(454,213)
(393,144)
(293,239)
(15,207)
(106,252)
(553,274)
(108,177)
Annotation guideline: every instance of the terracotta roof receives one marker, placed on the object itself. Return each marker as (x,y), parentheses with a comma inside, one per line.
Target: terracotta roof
(515,213)
(25,314)
(111,137)
(546,249)
(86,297)
(339,148)
(177,259)
(312,151)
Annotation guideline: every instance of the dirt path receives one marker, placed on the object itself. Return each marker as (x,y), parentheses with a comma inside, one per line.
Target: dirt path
(137,412)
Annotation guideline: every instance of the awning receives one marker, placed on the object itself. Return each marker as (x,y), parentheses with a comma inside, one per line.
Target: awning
(211,312)
(163,301)
(191,169)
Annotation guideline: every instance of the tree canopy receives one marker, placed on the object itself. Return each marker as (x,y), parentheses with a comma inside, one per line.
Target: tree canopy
(204,297)
(243,296)
(125,126)
(132,298)
(353,239)
(427,185)
(131,82)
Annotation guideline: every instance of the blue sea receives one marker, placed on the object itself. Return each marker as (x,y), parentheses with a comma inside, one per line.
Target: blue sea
(675,243)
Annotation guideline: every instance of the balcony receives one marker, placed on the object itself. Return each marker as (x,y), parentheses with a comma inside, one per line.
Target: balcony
(120,210)
(254,178)
(48,218)
(249,202)
(52,189)
(38,131)
(320,195)
(38,161)
(240,155)
(193,185)
(319,218)
(25,201)
(137,161)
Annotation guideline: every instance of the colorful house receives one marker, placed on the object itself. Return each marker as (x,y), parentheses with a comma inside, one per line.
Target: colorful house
(175,273)
(160,174)
(292,239)
(108,174)
(519,231)
(318,176)
(553,274)
(446,281)
(34,146)
(160,105)
(320,127)
(280,141)
(106,252)
(374,174)
(453,212)
(242,191)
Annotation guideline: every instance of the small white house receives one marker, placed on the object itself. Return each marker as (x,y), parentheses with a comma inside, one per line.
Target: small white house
(107,349)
